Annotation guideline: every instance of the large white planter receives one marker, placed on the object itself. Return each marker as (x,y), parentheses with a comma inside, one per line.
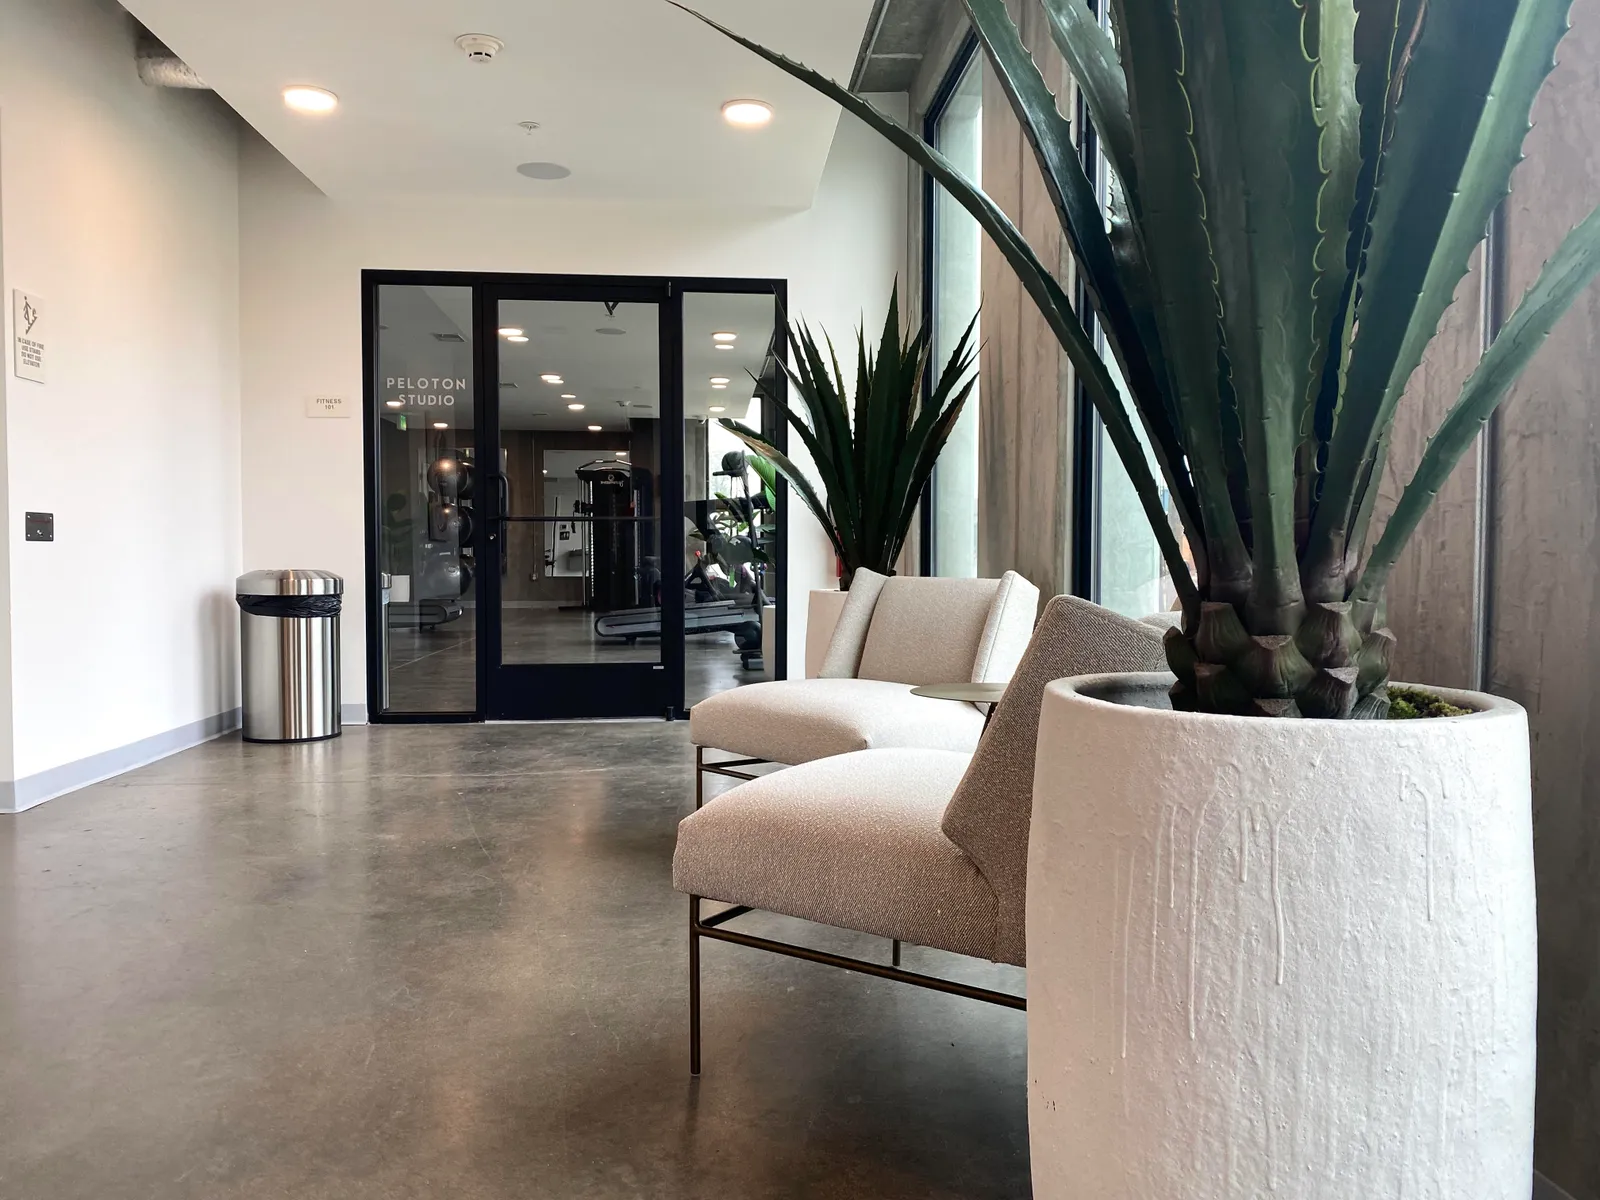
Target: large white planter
(822,615)
(1279,958)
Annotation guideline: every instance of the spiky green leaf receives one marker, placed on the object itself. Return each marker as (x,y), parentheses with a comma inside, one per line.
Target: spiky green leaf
(1251,85)
(797,480)
(1092,58)
(1564,278)
(1176,252)
(1083,220)
(1042,287)
(1458,129)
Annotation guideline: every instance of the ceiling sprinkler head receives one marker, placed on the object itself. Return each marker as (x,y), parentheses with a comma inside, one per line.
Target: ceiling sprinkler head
(479,47)
(529,126)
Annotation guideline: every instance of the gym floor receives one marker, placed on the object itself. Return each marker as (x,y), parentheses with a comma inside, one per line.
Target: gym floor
(428,961)
(435,670)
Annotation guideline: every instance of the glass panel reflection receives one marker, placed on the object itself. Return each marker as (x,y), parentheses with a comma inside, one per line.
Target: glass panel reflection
(580,429)
(958,286)
(427,502)
(730,526)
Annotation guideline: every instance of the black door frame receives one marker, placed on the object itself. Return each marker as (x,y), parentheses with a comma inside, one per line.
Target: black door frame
(550,691)
(592,688)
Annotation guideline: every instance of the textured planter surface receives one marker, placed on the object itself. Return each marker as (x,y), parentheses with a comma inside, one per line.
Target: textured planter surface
(822,614)
(1279,958)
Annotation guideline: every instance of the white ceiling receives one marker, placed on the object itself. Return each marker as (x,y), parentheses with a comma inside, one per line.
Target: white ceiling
(628,92)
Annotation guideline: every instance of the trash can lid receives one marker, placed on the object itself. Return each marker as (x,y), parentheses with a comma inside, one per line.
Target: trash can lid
(289,582)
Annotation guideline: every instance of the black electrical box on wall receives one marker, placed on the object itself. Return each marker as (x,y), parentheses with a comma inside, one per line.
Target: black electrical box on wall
(39,527)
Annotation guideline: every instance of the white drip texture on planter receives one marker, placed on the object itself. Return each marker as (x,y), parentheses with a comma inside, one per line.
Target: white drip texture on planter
(1279,958)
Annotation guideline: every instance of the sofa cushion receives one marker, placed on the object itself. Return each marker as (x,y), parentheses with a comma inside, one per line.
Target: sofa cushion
(927,630)
(991,812)
(797,720)
(852,841)
(843,658)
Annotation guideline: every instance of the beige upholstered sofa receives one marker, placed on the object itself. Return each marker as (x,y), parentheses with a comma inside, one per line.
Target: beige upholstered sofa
(893,634)
(927,846)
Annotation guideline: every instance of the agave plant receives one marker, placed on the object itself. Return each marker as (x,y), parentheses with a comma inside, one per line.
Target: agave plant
(873,459)
(1302,185)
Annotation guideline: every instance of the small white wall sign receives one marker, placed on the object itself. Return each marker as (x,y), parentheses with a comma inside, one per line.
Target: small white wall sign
(326,406)
(27,336)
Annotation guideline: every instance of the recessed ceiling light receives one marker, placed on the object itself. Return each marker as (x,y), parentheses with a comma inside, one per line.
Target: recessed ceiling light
(722,379)
(511,331)
(596,428)
(395,403)
(568,396)
(543,170)
(719,387)
(441,424)
(724,337)
(717,408)
(544,472)
(519,338)
(575,408)
(304,98)
(747,114)
(556,379)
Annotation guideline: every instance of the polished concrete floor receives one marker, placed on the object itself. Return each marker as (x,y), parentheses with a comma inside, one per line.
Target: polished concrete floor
(447,962)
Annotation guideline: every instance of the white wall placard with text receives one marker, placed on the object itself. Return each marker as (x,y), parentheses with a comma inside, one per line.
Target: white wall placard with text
(27,336)
(326,406)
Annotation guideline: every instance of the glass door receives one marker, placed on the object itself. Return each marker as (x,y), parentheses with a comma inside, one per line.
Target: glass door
(581,612)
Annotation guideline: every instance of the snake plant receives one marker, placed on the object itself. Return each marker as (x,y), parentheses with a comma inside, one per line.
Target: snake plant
(1302,184)
(874,458)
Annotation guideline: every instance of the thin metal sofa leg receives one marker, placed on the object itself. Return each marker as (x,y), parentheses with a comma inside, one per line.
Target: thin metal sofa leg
(699,777)
(897,952)
(694,985)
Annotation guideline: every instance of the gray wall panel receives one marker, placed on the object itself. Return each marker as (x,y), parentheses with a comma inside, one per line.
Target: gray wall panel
(1026,420)
(1545,648)
(1433,593)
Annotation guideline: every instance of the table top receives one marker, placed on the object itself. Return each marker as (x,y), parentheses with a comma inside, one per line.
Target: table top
(967,693)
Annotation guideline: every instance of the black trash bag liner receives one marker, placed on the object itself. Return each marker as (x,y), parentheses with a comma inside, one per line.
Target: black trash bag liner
(291,606)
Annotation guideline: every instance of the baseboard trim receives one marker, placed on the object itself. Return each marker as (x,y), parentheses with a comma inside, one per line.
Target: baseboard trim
(1543,1189)
(353,714)
(23,794)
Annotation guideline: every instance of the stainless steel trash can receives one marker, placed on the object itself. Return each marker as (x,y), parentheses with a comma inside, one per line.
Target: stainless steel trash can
(289,639)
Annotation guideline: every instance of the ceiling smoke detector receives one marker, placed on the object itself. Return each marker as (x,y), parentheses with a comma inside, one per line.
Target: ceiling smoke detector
(479,47)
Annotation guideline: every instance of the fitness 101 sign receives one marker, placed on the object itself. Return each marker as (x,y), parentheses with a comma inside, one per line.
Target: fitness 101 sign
(424,392)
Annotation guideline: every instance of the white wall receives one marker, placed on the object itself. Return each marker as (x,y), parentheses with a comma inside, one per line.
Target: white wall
(302,255)
(120,209)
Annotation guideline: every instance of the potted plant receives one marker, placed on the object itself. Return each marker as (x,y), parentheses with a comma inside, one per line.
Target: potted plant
(872,457)
(1291,956)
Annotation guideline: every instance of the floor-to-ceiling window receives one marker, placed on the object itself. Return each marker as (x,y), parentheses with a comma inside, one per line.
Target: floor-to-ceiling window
(955,126)
(1130,575)
(1125,569)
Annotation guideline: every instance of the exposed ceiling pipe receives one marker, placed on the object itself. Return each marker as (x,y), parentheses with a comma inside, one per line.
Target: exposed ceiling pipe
(160,67)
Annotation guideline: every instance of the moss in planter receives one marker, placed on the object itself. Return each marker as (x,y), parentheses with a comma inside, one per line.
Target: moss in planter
(1410,704)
